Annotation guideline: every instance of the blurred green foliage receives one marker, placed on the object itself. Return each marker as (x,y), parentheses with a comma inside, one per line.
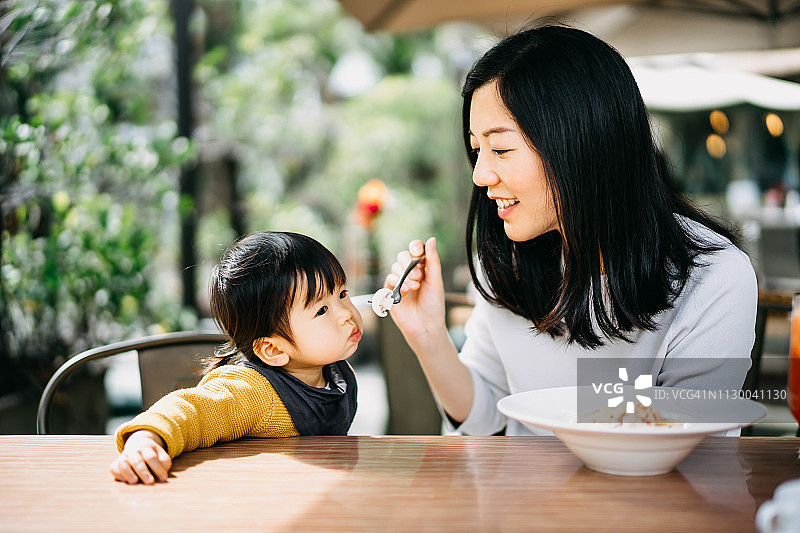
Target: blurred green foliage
(90,156)
(304,150)
(88,152)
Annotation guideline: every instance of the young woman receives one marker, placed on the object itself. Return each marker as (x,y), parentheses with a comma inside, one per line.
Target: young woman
(584,249)
(281,298)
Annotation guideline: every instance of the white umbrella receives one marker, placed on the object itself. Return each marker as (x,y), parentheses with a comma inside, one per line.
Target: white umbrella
(691,87)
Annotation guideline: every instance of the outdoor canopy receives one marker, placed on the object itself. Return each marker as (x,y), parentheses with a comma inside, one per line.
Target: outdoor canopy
(639,28)
(692,87)
(403,15)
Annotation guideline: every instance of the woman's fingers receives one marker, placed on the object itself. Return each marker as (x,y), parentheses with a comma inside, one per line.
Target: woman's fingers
(433,267)
(412,281)
(416,247)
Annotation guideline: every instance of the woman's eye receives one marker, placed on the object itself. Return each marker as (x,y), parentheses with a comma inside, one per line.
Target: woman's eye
(322,310)
(474,152)
(343,294)
(500,152)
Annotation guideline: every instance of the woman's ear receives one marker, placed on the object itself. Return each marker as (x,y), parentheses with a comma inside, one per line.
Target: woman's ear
(269,350)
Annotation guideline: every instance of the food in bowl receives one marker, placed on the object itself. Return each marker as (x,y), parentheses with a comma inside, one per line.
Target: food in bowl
(619,415)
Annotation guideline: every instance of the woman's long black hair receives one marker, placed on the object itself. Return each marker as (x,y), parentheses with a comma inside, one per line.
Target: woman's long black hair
(256,282)
(575,99)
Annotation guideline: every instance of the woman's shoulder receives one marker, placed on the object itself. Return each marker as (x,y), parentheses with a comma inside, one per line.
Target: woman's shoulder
(724,251)
(726,269)
(703,233)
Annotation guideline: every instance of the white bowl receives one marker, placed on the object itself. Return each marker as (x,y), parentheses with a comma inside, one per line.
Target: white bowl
(631,449)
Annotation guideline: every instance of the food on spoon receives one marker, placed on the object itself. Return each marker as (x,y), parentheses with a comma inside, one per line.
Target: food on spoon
(382,301)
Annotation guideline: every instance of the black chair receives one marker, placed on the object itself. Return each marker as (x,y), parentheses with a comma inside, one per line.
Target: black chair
(166,362)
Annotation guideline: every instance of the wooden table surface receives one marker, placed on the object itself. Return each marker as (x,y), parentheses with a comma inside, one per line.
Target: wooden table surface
(392,483)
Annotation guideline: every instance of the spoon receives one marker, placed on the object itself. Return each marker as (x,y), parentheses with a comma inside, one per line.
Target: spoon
(385,298)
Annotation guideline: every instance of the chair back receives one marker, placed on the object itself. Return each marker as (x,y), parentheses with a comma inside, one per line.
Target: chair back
(166,362)
(779,257)
(163,369)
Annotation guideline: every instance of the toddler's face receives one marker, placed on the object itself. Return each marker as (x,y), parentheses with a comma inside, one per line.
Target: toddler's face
(328,330)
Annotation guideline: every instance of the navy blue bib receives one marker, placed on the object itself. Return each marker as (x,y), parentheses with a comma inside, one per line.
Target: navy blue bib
(314,411)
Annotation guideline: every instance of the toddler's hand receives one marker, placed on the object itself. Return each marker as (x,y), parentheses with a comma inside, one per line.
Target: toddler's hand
(143,459)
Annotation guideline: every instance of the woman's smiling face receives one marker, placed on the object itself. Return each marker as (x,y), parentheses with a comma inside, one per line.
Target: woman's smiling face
(509,168)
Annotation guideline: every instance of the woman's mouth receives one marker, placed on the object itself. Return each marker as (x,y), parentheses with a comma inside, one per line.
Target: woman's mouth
(505,206)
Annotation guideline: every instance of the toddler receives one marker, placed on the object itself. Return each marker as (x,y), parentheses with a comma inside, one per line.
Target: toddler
(281,298)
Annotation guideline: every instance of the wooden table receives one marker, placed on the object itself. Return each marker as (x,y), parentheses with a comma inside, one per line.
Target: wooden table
(430,483)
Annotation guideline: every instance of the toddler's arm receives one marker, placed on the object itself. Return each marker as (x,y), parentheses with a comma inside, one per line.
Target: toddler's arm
(143,459)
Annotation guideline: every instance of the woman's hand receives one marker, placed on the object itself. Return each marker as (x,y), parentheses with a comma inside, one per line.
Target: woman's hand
(143,459)
(421,313)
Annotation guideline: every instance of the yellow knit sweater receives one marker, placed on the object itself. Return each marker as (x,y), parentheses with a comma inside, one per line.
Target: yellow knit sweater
(229,402)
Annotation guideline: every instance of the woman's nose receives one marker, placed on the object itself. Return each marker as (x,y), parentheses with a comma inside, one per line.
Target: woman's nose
(483,175)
